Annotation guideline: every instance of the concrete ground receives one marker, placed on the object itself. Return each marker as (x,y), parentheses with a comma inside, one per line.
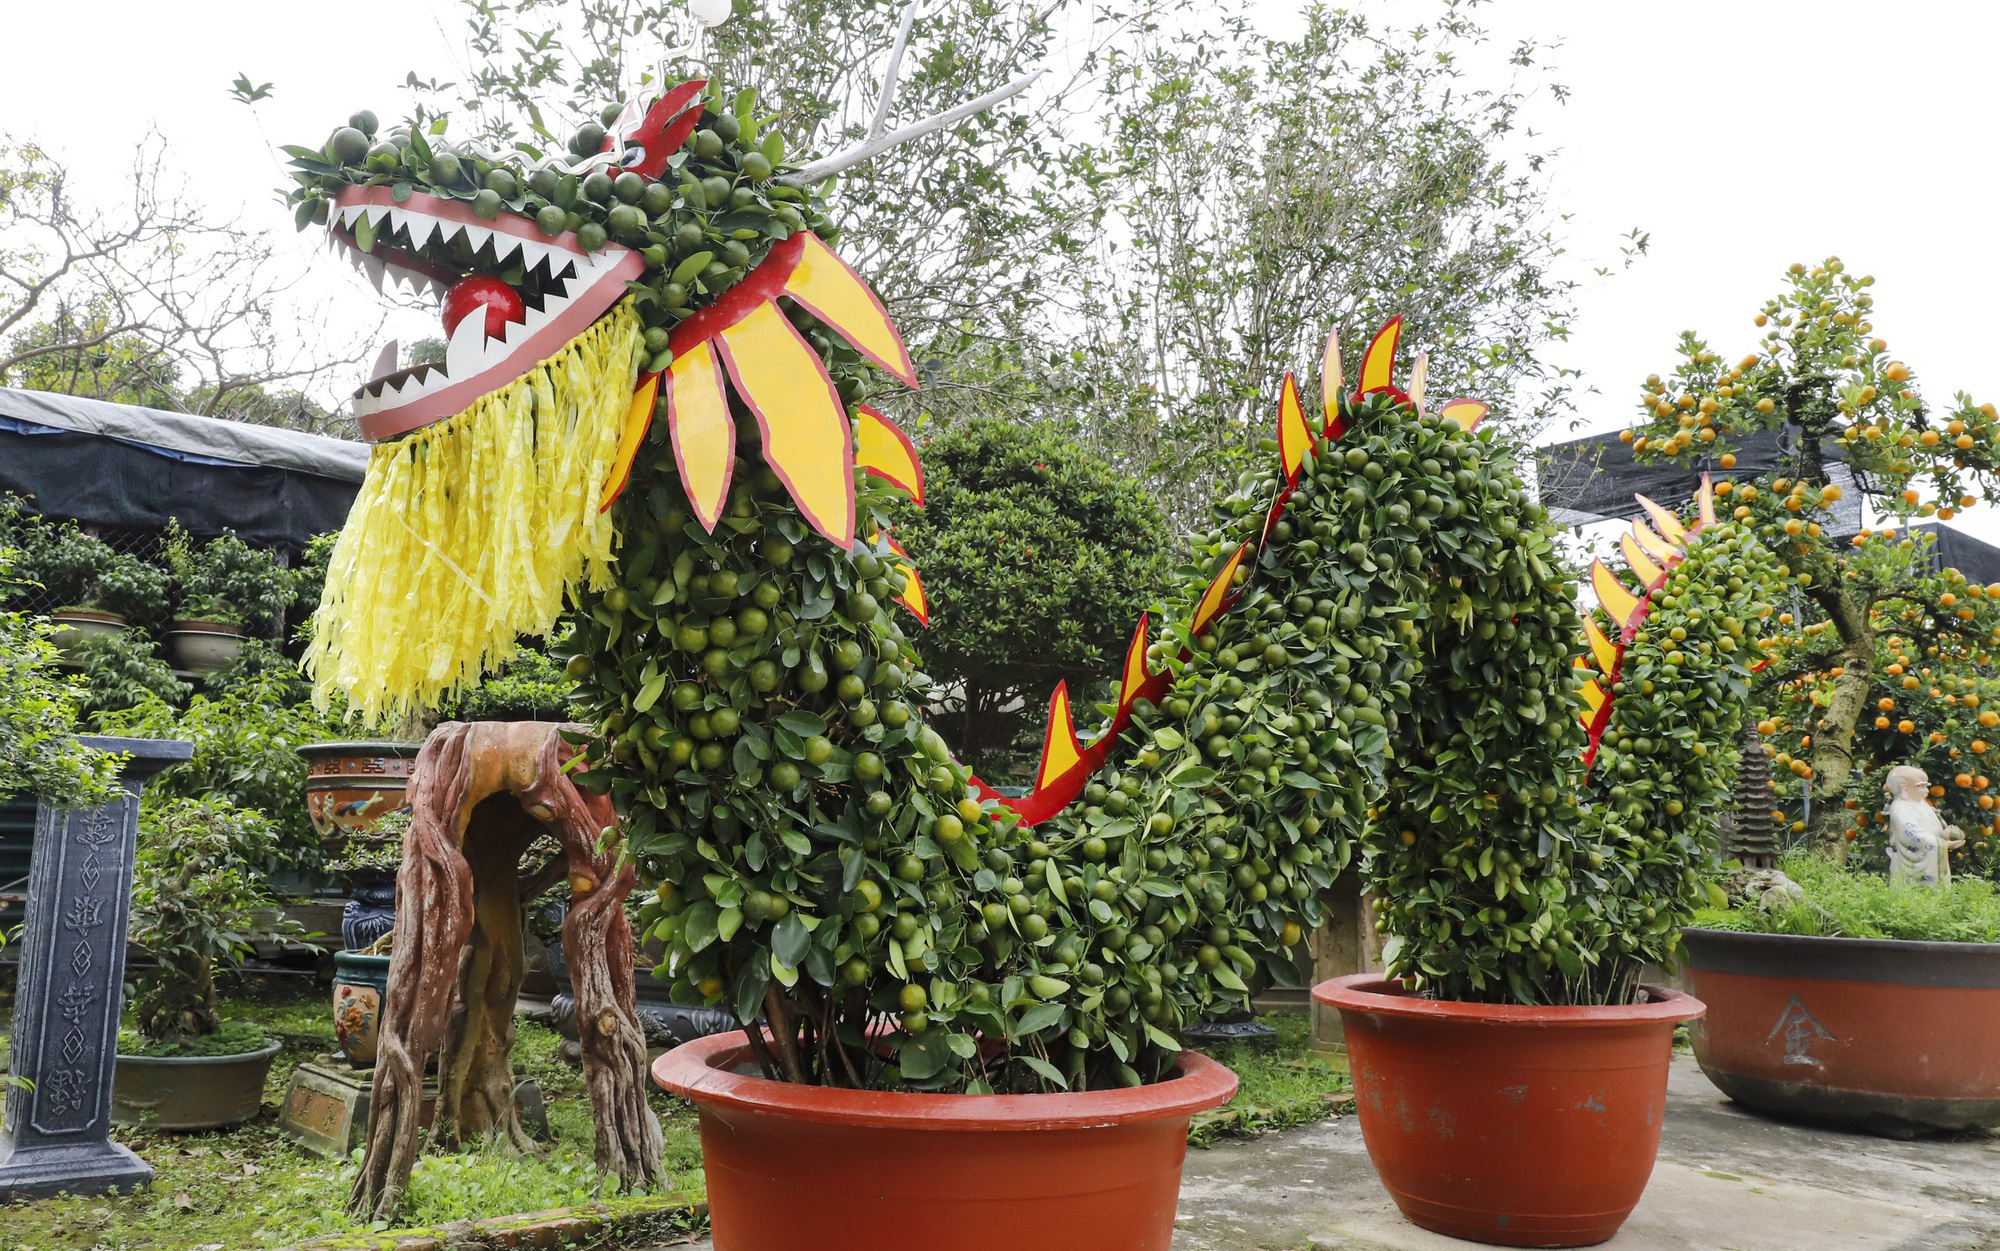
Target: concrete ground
(1726,1180)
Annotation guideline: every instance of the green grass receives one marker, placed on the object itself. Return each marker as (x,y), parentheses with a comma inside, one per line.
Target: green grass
(1841,903)
(1280,1085)
(252,1187)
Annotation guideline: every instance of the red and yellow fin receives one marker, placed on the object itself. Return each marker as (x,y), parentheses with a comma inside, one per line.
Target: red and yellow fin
(1060,750)
(1133,681)
(1378,361)
(1330,384)
(1704,502)
(1216,597)
(1602,650)
(1669,524)
(807,440)
(1295,438)
(638,419)
(1655,546)
(835,294)
(913,597)
(1468,413)
(1619,602)
(1636,558)
(703,434)
(881,448)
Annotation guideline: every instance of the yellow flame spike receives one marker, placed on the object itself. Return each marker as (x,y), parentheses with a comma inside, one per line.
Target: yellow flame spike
(638,419)
(1378,362)
(913,596)
(881,448)
(1655,546)
(1135,666)
(1419,374)
(1705,502)
(1331,382)
(1620,603)
(1468,413)
(807,440)
(704,435)
(1636,558)
(1218,590)
(1593,694)
(1601,648)
(836,295)
(1060,750)
(1294,436)
(1669,524)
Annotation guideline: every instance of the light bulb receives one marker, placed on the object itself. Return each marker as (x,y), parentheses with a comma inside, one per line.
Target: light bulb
(711,12)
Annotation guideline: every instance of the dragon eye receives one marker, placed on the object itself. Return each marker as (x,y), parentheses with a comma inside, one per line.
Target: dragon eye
(634,154)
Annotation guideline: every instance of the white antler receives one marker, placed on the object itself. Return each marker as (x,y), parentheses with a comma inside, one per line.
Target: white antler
(877,142)
(889,75)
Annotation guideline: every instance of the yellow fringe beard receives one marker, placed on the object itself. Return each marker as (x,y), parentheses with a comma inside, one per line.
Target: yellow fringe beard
(469,533)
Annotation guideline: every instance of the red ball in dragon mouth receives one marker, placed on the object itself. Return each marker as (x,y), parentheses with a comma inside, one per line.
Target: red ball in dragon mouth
(468,295)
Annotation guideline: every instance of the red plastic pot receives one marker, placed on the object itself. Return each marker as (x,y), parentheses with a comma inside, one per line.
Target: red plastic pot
(857,1170)
(1879,1034)
(1499,1123)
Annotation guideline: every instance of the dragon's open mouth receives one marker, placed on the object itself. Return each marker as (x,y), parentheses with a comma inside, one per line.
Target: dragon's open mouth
(429,242)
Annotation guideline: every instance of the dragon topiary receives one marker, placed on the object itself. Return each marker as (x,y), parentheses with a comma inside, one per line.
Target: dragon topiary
(651,412)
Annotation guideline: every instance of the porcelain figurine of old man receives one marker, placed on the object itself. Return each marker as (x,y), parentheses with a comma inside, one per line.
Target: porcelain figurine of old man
(1920,843)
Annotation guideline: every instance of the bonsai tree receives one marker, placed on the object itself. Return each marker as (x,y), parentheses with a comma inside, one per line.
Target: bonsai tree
(1034,554)
(120,671)
(194,898)
(1821,375)
(39,752)
(229,582)
(80,570)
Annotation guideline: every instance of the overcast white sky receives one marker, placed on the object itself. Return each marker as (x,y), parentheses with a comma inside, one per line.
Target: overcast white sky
(1742,134)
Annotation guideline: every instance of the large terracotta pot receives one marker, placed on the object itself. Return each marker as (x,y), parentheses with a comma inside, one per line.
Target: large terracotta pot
(854,1170)
(351,786)
(1865,1033)
(1506,1124)
(191,1092)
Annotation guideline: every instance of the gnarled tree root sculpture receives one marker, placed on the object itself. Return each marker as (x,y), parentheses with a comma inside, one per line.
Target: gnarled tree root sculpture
(479,795)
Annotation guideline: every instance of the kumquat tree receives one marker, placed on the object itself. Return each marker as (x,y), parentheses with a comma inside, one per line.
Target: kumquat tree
(1881,659)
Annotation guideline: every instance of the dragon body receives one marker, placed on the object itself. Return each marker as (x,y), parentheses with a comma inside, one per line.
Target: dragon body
(1371,656)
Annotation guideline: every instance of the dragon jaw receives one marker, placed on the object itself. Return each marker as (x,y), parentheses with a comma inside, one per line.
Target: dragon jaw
(418,242)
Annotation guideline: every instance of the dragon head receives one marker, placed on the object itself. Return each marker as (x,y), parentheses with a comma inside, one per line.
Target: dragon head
(673,269)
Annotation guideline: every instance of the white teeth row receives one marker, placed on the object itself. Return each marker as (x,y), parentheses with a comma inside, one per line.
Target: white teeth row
(424,229)
(471,352)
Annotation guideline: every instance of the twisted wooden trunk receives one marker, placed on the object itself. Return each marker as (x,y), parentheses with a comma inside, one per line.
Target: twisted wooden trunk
(479,795)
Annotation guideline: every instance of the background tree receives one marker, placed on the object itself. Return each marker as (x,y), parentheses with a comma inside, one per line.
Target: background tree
(1820,375)
(1265,190)
(1036,558)
(157,302)
(1078,255)
(39,754)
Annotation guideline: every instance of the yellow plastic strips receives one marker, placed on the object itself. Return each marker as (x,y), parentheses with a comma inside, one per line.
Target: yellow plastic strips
(469,532)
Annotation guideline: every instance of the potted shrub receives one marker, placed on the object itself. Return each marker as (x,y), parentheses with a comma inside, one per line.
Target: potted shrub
(194,899)
(1852,1002)
(226,587)
(1532,853)
(101,591)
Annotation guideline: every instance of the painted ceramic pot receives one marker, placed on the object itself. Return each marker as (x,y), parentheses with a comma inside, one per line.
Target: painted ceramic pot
(359,983)
(351,786)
